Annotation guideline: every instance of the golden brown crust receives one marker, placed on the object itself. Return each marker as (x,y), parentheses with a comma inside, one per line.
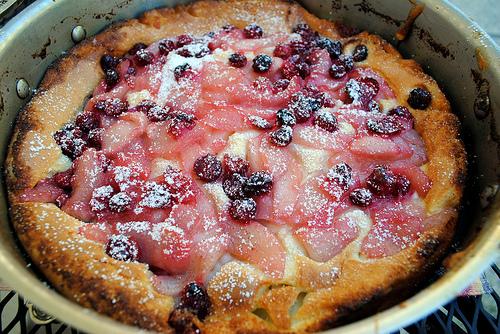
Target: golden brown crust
(125,291)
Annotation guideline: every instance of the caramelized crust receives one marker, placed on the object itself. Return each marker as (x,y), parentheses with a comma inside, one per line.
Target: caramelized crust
(316,297)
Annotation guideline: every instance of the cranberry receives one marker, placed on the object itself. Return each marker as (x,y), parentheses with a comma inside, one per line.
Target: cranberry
(362,90)
(295,65)
(166,46)
(300,47)
(122,248)
(281,84)
(260,122)
(144,57)
(243,209)
(183,40)
(347,61)
(388,125)
(303,106)
(381,181)
(419,98)
(253,31)
(237,60)
(180,121)
(157,113)
(281,136)
(120,202)
(326,120)
(155,196)
(231,165)
(182,321)
(195,298)
(87,121)
(208,167)
(69,138)
(337,70)
(285,117)
(282,51)
(360,53)
(183,71)
(136,47)
(341,175)
(373,106)
(111,77)
(63,179)
(233,186)
(361,197)
(400,111)
(108,62)
(186,53)
(258,183)
(112,106)
(180,186)
(334,48)
(401,186)
(262,63)
(94,138)
(303,30)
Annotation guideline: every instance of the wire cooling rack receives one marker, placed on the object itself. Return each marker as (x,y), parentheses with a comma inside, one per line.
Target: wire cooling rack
(464,315)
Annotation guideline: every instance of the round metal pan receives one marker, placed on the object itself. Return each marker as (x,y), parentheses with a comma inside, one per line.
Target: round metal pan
(454,50)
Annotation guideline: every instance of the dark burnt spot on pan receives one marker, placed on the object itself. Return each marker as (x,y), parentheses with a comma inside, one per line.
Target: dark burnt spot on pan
(482,104)
(43,51)
(367,8)
(426,37)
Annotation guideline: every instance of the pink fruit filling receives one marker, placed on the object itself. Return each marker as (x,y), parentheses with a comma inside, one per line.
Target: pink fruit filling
(193,148)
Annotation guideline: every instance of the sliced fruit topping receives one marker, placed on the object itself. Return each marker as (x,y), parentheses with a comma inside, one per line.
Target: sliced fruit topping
(122,248)
(208,168)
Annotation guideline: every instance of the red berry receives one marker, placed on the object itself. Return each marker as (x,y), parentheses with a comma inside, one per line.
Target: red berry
(231,165)
(120,202)
(282,136)
(326,120)
(401,186)
(166,46)
(195,298)
(208,168)
(419,98)
(253,31)
(282,51)
(361,197)
(87,121)
(360,53)
(243,209)
(387,125)
(258,183)
(122,248)
(237,60)
(63,179)
(381,181)
(233,186)
(262,63)
(144,57)
(183,40)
